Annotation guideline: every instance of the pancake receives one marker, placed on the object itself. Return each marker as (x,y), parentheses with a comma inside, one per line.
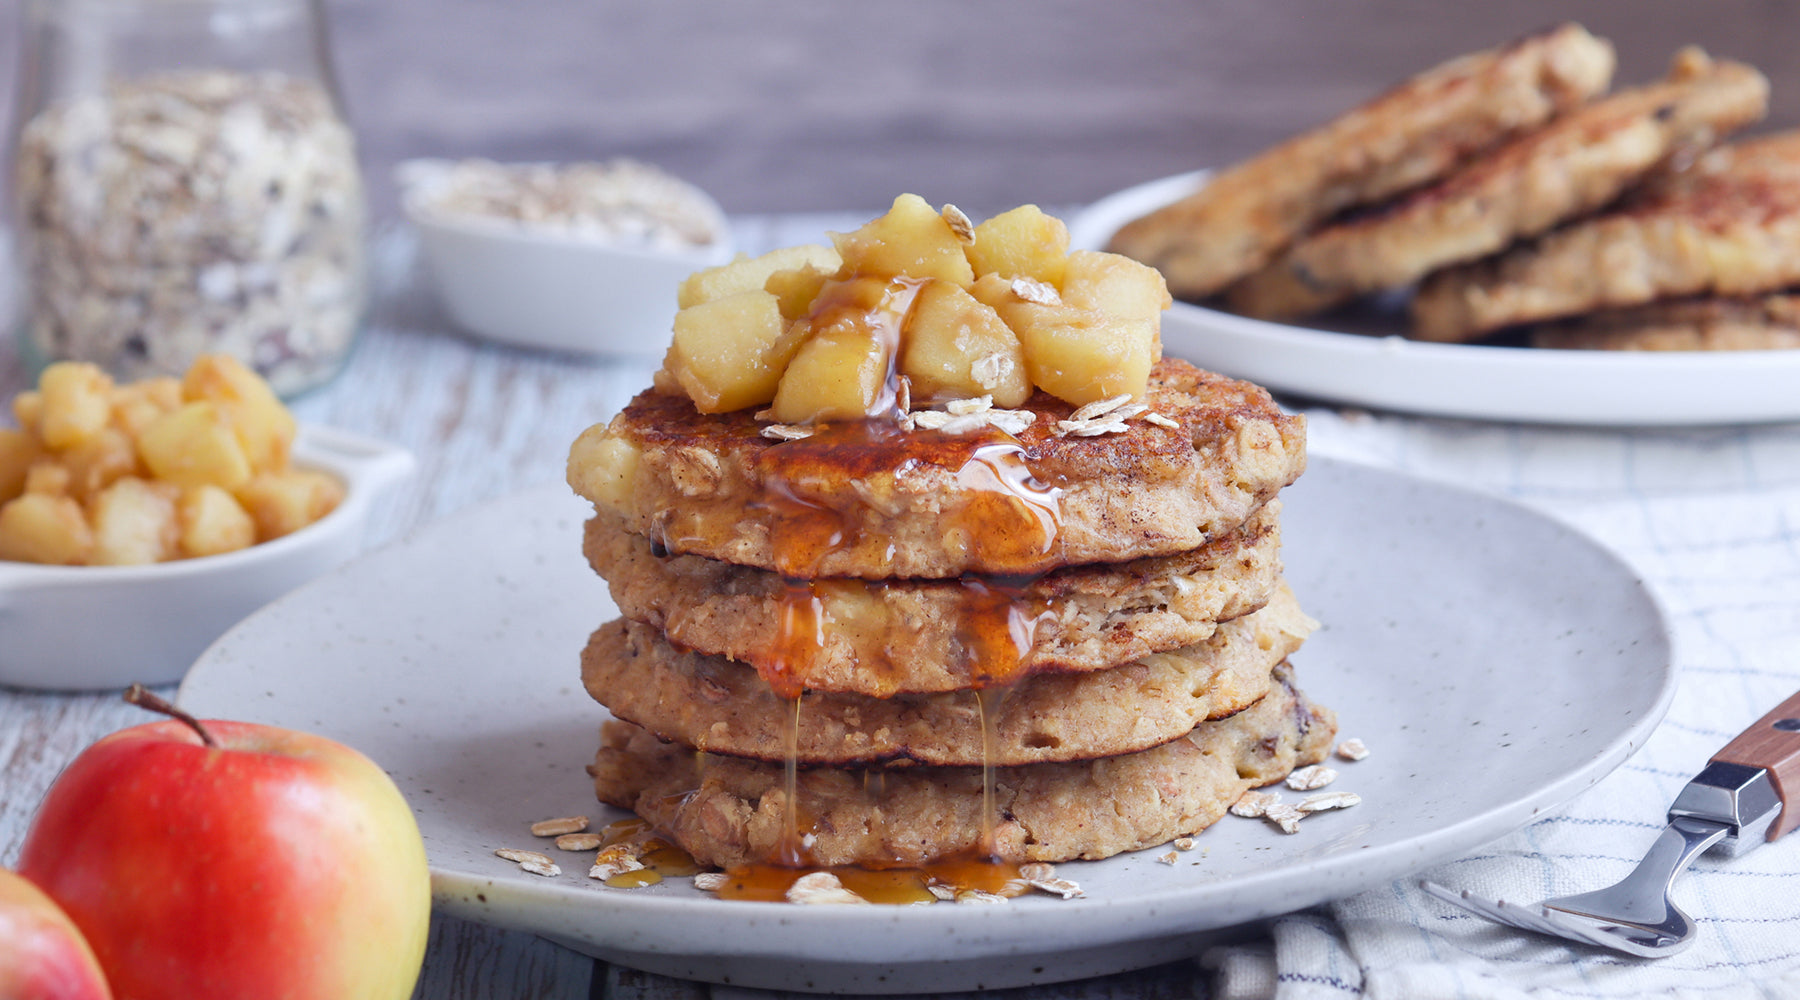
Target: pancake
(875,502)
(882,637)
(1727,226)
(1747,323)
(728,811)
(1573,166)
(715,705)
(1411,135)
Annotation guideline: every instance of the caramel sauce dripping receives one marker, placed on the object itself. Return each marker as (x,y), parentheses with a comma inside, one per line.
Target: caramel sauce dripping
(1000,630)
(792,850)
(769,883)
(660,858)
(635,880)
(1013,519)
(1021,517)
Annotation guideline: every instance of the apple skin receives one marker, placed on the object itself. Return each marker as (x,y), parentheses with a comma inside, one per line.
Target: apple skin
(277,864)
(42,954)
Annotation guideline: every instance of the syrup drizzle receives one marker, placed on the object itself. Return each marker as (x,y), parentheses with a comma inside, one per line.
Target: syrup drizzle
(893,886)
(792,850)
(1030,512)
(660,858)
(1016,521)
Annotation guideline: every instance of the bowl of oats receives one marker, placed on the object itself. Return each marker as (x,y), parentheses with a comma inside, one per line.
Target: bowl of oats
(574,257)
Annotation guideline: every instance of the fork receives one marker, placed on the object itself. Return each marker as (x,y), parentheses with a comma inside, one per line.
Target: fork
(1748,793)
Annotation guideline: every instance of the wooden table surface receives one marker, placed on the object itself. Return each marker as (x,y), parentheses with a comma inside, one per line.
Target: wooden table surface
(483,421)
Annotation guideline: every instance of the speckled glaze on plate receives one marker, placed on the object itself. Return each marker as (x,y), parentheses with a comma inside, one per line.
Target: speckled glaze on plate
(1496,662)
(1368,363)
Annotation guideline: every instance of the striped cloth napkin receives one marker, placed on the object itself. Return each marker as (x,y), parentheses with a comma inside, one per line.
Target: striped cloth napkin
(1711,519)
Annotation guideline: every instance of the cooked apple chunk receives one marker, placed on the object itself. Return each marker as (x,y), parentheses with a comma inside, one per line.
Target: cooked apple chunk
(212,522)
(1082,355)
(264,427)
(957,347)
(1115,285)
(912,240)
(41,528)
(842,369)
(729,353)
(194,445)
(75,403)
(281,503)
(837,375)
(134,523)
(603,466)
(796,288)
(747,273)
(1021,243)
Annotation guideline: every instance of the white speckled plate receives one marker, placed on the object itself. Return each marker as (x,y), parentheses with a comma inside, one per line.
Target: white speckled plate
(1365,361)
(1496,662)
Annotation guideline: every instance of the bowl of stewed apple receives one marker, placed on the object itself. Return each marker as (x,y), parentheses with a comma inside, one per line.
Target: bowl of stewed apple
(140,521)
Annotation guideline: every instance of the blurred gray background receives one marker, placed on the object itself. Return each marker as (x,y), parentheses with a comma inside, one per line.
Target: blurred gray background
(833,104)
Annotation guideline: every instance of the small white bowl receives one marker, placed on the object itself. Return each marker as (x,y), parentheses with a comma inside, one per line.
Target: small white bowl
(88,628)
(530,287)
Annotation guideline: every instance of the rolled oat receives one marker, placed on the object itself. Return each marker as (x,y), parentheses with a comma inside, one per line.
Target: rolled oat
(619,201)
(190,213)
(559,826)
(1311,777)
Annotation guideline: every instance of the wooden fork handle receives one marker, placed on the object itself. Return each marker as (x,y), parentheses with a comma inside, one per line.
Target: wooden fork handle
(1773,744)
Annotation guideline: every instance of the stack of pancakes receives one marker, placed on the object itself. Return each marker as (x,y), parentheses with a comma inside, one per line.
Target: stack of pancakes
(1061,642)
(1507,192)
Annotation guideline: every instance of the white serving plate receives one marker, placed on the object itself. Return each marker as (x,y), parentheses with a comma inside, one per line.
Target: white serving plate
(1497,663)
(90,628)
(1377,367)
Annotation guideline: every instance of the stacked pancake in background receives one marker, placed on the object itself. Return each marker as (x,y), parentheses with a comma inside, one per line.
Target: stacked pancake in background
(987,577)
(1509,191)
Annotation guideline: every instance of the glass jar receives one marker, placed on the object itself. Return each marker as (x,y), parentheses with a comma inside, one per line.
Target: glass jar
(183,182)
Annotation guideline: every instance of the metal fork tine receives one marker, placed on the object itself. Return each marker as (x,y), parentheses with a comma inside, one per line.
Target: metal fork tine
(1533,918)
(1461,899)
(1496,911)
(1590,933)
(1618,935)
(1524,916)
(1567,925)
(1477,905)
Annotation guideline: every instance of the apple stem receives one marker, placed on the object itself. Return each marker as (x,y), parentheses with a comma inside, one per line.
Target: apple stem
(143,697)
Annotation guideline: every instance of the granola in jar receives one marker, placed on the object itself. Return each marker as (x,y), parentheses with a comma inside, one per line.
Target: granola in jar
(185,213)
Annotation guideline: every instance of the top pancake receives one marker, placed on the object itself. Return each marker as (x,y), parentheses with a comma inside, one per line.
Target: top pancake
(1411,135)
(871,501)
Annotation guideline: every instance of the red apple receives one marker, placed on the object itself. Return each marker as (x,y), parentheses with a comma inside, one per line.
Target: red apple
(228,860)
(42,955)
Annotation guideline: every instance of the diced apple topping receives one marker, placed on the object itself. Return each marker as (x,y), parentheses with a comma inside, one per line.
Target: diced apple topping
(840,371)
(729,353)
(912,240)
(957,347)
(1021,243)
(958,311)
(746,273)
